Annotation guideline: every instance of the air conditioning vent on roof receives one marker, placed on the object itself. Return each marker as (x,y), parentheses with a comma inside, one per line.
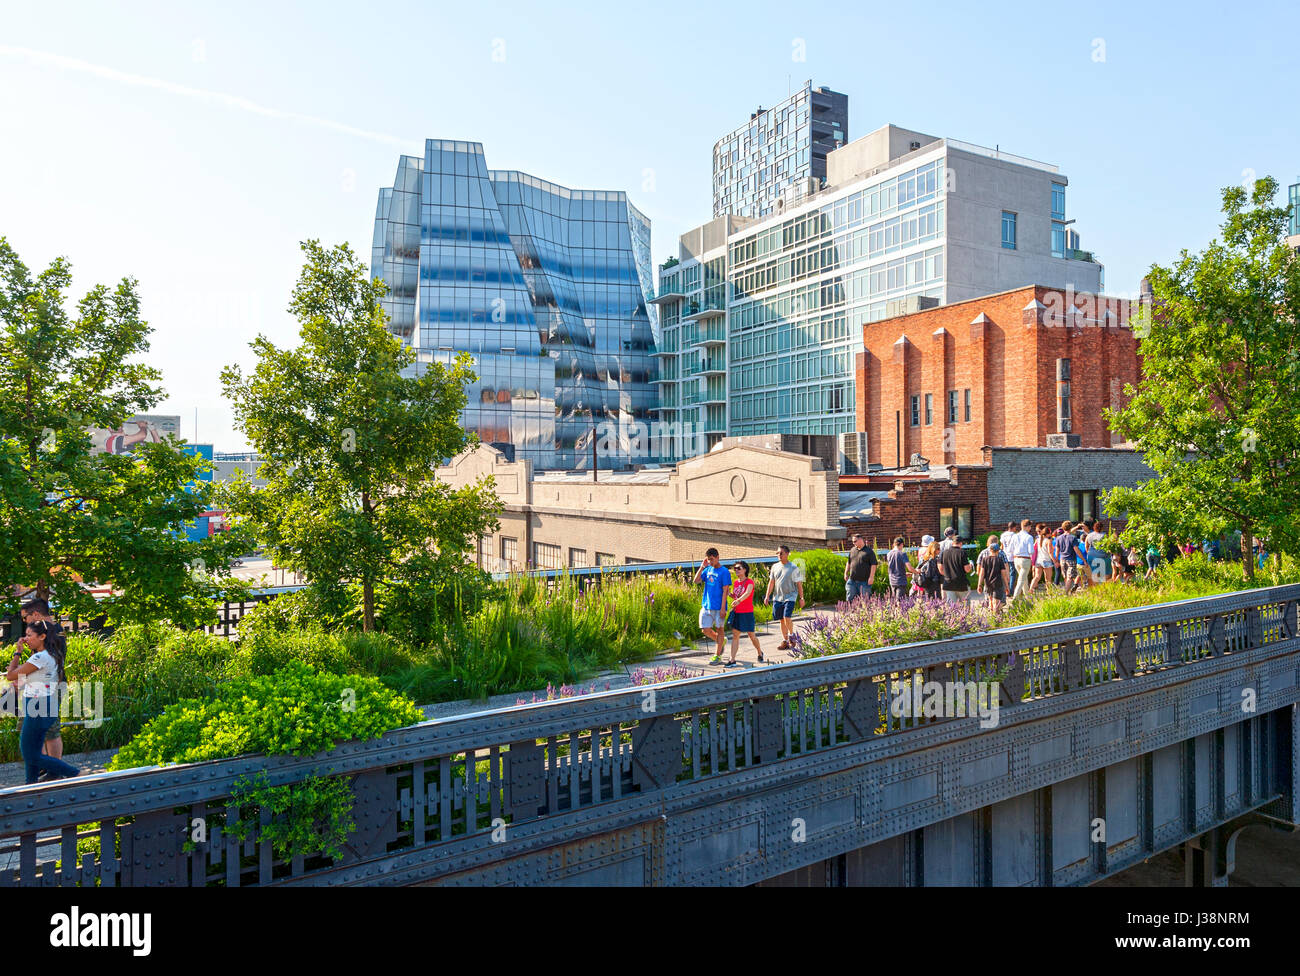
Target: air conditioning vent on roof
(853,453)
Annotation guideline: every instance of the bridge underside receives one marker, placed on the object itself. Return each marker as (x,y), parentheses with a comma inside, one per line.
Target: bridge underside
(1201,793)
(814,830)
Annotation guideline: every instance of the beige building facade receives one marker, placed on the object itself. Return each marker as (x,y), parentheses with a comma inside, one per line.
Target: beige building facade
(744,500)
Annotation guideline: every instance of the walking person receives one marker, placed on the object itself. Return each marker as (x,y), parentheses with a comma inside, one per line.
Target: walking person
(784,586)
(1098,559)
(1044,561)
(1022,558)
(742,611)
(993,575)
(42,677)
(954,566)
(928,573)
(713,604)
(32,611)
(1005,539)
(859,570)
(899,570)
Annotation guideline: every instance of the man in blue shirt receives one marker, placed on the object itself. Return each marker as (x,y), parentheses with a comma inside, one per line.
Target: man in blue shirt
(713,605)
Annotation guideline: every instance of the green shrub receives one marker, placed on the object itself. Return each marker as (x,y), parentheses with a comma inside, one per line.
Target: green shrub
(296,710)
(823,574)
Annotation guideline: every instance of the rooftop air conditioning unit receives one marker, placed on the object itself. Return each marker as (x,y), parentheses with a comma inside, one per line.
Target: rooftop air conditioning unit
(853,453)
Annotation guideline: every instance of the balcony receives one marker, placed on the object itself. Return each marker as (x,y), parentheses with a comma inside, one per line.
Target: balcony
(673,293)
(713,367)
(698,314)
(715,335)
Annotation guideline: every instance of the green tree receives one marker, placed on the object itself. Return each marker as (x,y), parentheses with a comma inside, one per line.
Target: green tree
(349,439)
(70,516)
(1217,413)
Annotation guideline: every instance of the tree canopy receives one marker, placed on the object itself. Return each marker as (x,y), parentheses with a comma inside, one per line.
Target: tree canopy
(1217,412)
(71,516)
(350,430)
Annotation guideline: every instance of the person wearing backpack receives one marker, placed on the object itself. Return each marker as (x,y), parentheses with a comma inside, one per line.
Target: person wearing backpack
(927,571)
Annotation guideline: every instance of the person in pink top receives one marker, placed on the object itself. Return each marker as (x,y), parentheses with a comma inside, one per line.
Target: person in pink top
(742,611)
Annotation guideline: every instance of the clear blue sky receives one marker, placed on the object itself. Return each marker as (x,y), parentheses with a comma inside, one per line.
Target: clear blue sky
(193,147)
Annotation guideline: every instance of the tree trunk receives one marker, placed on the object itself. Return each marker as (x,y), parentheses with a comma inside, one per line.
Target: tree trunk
(367,583)
(367,605)
(1248,552)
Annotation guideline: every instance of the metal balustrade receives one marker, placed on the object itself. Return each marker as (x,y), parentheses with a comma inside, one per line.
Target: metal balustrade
(431,799)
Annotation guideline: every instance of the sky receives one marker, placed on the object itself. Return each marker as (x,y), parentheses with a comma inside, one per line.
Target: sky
(193,147)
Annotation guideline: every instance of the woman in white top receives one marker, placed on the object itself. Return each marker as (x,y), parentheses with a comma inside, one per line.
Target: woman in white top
(1044,559)
(42,677)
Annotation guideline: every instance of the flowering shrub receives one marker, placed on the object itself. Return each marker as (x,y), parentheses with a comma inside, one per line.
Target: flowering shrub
(869,623)
(553,693)
(673,672)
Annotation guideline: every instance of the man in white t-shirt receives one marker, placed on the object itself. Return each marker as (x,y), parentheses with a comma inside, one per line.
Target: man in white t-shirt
(1022,557)
(784,587)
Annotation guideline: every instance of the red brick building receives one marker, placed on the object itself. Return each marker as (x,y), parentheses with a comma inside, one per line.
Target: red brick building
(913,505)
(1006,369)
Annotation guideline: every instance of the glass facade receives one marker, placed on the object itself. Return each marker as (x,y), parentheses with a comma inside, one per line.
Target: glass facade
(803,288)
(779,147)
(1293,201)
(543,285)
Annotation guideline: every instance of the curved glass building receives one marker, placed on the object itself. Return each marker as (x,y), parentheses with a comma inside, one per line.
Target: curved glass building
(543,285)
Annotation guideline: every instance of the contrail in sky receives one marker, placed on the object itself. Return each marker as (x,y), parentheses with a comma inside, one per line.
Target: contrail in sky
(220,98)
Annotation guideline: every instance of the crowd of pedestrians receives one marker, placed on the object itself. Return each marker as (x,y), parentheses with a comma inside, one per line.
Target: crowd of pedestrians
(1027,558)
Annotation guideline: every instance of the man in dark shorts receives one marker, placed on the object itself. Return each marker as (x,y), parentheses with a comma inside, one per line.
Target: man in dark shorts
(784,586)
(859,570)
(994,579)
(899,568)
(33,610)
(954,566)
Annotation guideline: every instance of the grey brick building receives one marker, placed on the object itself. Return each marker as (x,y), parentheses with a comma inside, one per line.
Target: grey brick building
(1050,484)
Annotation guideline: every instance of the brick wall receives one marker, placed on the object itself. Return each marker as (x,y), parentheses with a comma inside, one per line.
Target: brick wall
(1036,483)
(1006,355)
(912,508)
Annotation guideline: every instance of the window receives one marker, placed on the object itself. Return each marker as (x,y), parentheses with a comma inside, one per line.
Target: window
(1083,505)
(509,552)
(960,517)
(1008,230)
(577,558)
(929,409)
(1063,411)
(605,559)
(967,396)
(952,406)
(1058,201)
(916,411)
(546,556)
(1058,239)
